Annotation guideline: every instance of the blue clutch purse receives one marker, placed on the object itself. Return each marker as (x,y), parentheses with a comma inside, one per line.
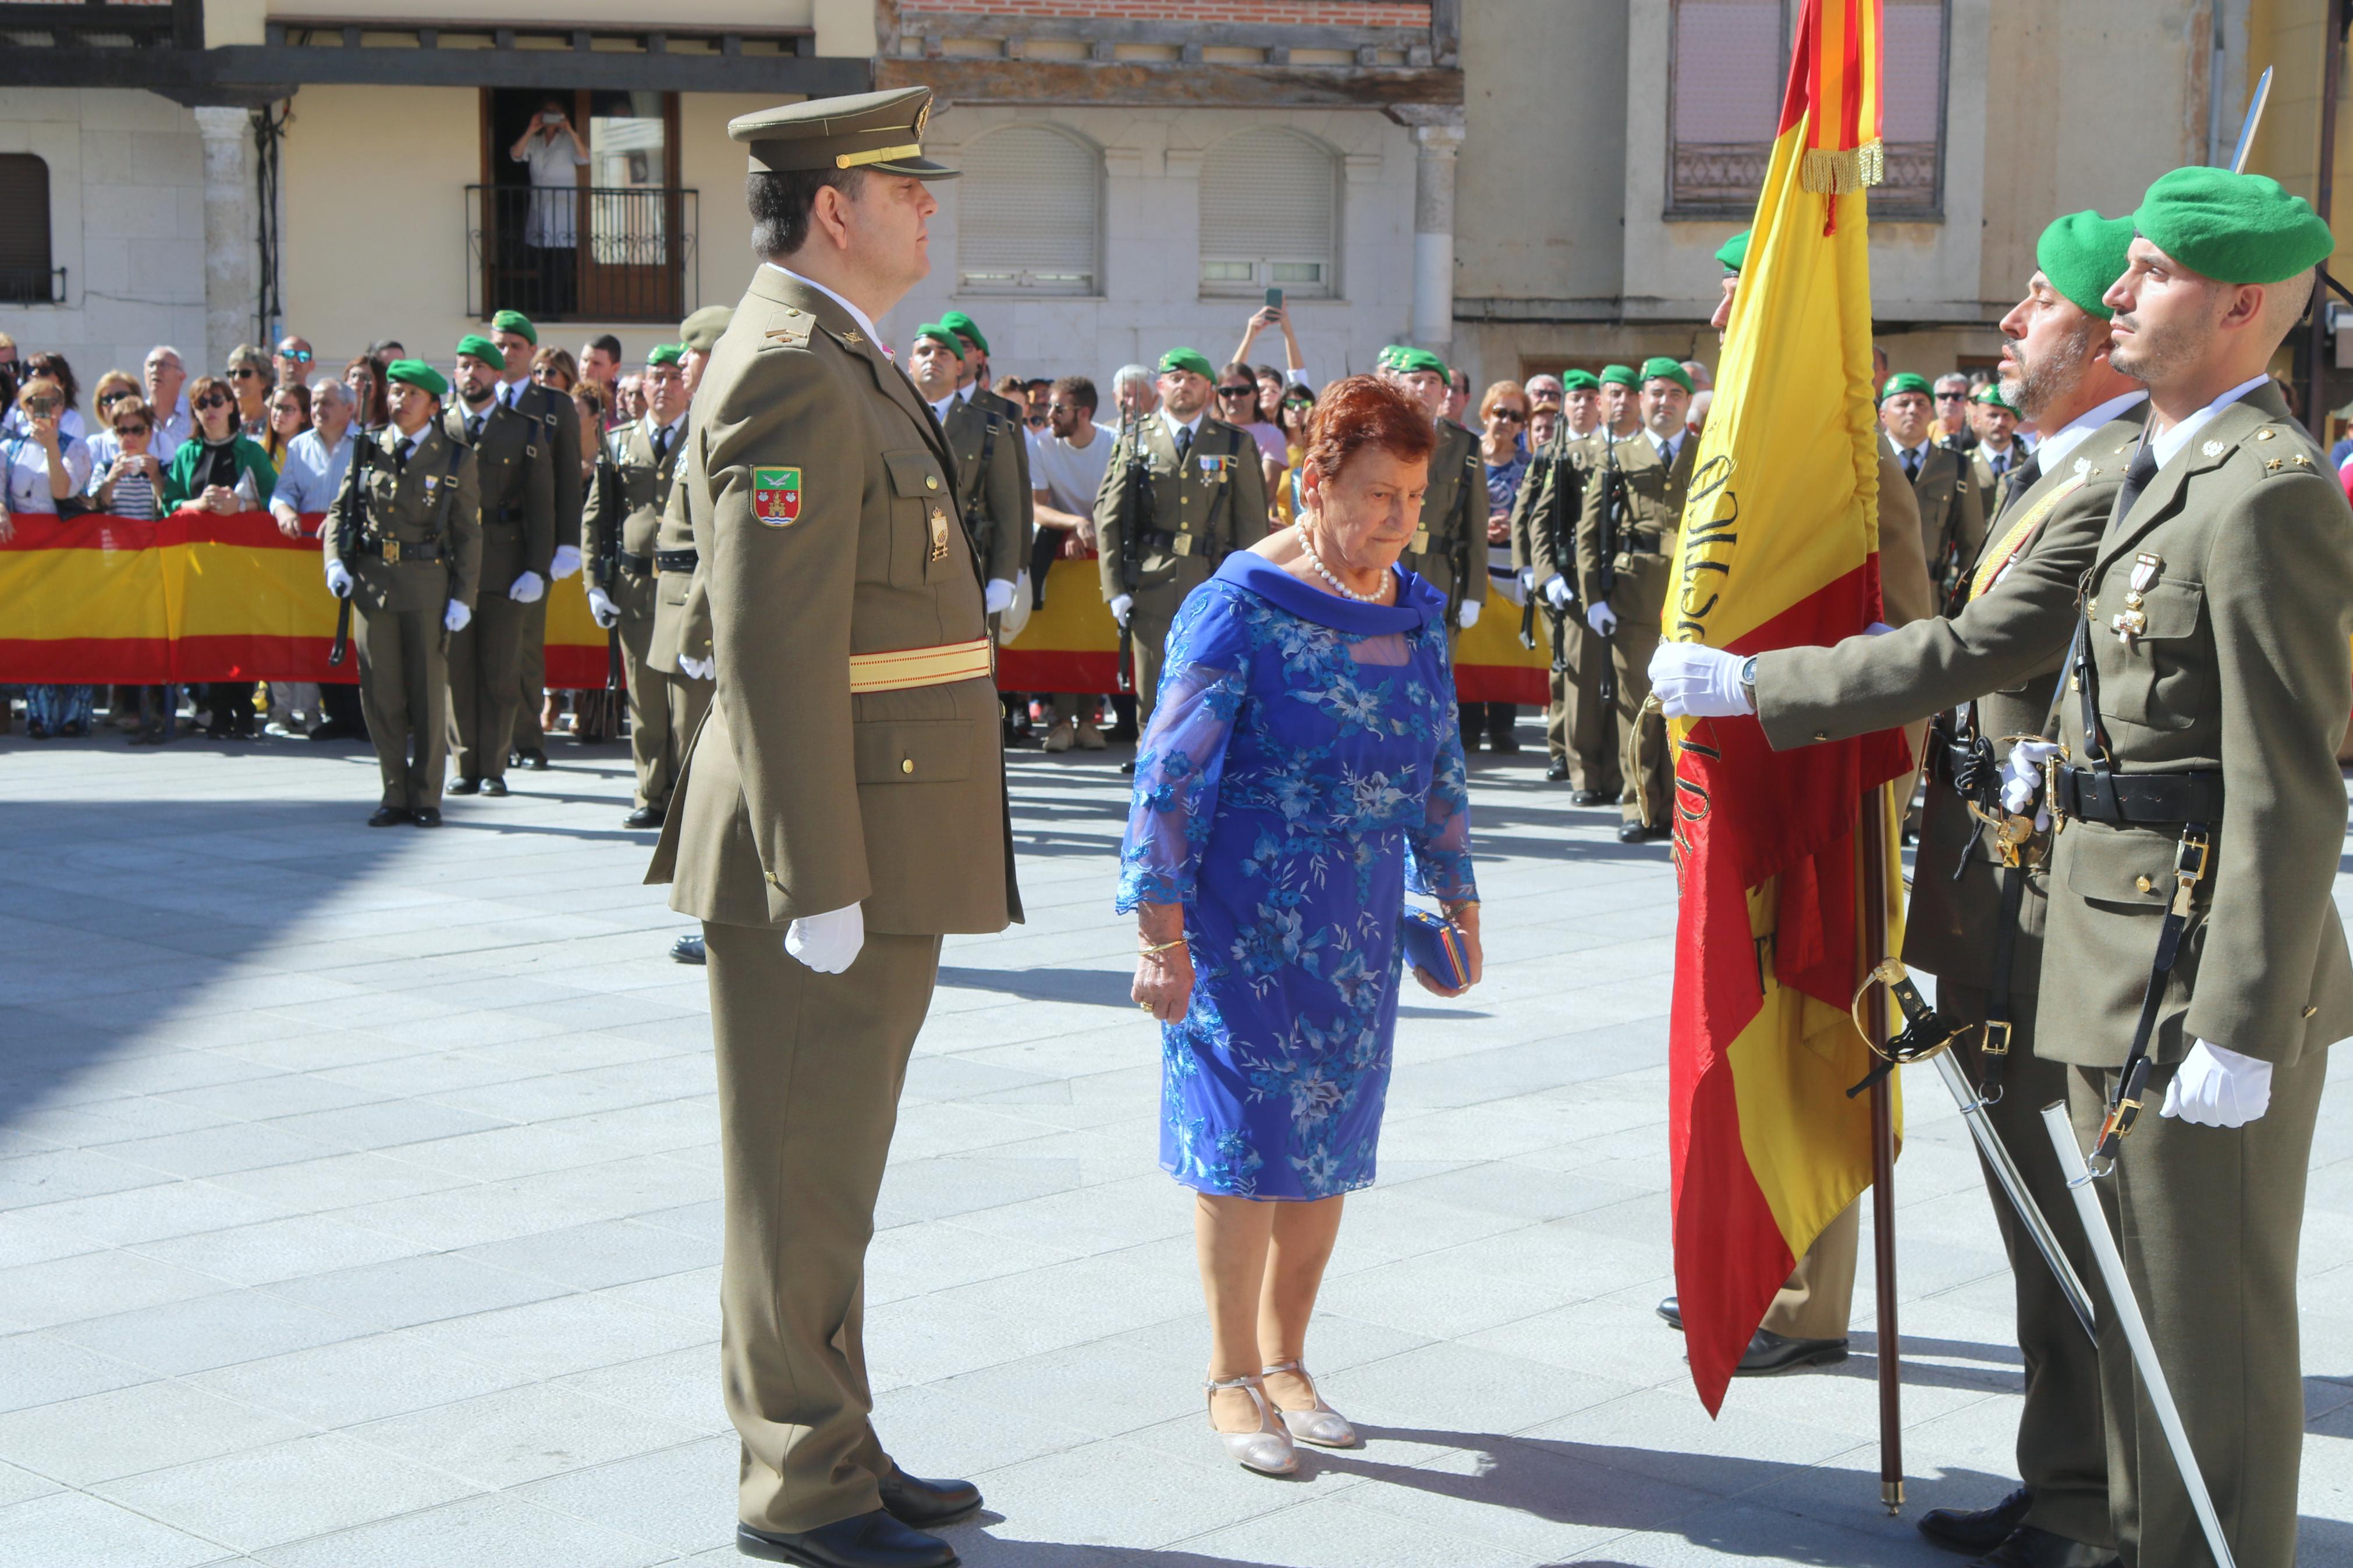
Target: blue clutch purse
(1435,944)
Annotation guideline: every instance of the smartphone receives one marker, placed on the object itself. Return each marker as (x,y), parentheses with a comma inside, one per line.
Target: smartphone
(1274,298)
(551,117)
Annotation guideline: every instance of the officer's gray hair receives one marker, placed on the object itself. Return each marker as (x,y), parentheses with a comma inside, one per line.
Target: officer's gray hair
(1132,375)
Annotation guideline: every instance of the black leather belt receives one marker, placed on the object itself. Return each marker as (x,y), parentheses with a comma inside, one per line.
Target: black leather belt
(2159,799)
(674,560)
(392,552)
(638,565)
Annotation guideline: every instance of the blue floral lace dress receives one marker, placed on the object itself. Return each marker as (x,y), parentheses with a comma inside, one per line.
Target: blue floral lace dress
(1302,769)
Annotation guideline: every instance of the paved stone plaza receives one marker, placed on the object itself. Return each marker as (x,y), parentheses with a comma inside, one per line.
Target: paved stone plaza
(358,1207)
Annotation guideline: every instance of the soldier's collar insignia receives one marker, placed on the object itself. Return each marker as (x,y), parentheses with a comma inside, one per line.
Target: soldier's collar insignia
(2213,448)
(2083,466)
(2266,434)
(850,337)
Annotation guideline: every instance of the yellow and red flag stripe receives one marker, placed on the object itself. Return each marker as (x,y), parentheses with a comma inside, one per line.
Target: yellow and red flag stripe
(1780,547)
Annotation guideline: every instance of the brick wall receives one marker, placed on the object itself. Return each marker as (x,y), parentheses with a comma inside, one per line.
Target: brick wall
(1272,12)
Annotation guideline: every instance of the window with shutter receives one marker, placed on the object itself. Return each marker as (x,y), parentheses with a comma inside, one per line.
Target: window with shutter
(1270,217)
(1029,214)
(26,275)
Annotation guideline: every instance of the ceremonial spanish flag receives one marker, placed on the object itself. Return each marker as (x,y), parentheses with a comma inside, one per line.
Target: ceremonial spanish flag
(1780,547)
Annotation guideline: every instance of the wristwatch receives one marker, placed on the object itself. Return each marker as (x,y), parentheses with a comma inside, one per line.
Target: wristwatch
(1749,682)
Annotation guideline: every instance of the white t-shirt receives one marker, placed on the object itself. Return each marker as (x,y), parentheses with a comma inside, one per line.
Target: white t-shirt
(1071,474)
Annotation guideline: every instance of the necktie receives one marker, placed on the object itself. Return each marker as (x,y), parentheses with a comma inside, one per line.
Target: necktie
(1911,465)
(1184,442)
(400,453)
(2021,478)
(2136,479)
(661,444)
(474,430)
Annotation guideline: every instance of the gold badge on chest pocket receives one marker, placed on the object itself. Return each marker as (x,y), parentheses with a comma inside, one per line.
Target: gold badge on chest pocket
(2132,621)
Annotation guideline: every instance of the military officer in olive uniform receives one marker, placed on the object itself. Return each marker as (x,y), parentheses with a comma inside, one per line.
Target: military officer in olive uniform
(1952,513)
(1999,452)
(975,388)
(1579,729)
(1449,550)
(1652,471)
(1208,500)
(985,445)
(679,647)
(513,468)
(518,339)
(403,543)
(646,455)
(843,804)
(1976,917)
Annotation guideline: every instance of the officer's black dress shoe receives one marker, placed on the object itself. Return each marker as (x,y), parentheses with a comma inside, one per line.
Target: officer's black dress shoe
(1556,772)
(533,759)
(1588,797)
(1672,1309)
(2030,1546)
(333,730)
(388,817)
(426,817)
(644,816)
(1128,766)
(1977,1528)
(1769,1352)
(911,1499)
(1503,745)
(1631,832)
(687,950)
(463,787)
(865,1541)
(494,786)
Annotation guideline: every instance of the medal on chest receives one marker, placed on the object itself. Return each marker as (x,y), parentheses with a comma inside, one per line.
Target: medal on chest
(939,526)
(2132,621)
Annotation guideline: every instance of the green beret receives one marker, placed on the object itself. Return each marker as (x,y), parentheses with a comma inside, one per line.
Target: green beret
(964,327)
(701,332)
(1990,396)
(1389,355)
(516,322)
(942,336)
(1579,381)
(483,349)
(1659,367)
(1733,252)
(665,353)
(1904,381)
(2234,228)
(1193,360)
(1413,362)
(1620,376)
(416,373)
(2082,254)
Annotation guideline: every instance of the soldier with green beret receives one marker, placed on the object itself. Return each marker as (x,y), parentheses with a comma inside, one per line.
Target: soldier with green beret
(1952,514)
(1998,454)
(515,475)
(559,423)
(1449,549)
(402,543)
(623,520)
(678,647)
(974,391)
(986,444)
(1182,490)
(843,804)
(1579,728)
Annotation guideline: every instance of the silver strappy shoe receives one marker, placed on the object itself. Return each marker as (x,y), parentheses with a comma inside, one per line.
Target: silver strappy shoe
(1268,1449)
(1320,1425)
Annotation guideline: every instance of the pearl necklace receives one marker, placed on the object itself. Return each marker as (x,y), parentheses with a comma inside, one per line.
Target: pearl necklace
(1325,573)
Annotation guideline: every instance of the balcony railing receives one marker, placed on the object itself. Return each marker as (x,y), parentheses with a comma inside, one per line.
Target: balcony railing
(593,253)
(32,285)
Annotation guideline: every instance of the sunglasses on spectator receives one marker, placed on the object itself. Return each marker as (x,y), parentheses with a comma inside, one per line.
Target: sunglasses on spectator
(1250,391)
(300,356)
(244,370)
(131,429)
(1516,415)
(1952,396)
(212,400)
(1034,419)
(109,399)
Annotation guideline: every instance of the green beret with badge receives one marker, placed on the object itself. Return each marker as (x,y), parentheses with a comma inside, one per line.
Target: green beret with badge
(1579,381)
(665,353)
(701,332)
(1904,381)
(1659,367)
(517,323)
(1990,396)
(478,347)
(1389,356)
(418,374)
(1620,376)
(2082,254)
(878,131)
(1192,359)
(2233,229)
(967,328)
(1733,252)
(1416,362)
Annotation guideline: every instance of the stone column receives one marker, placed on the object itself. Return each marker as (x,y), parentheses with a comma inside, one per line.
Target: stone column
(231,224)
(1437,138)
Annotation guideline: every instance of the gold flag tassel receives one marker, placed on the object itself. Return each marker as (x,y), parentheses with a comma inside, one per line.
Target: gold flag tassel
(1837,172)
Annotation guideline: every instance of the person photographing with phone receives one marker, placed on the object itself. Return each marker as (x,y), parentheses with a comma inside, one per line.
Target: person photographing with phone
(552,148)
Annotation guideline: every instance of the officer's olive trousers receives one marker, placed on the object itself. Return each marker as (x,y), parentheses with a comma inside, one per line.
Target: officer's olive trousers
(1578,727)
(1642,737)
(483,689)
(2063,1455)
(531,677)
(810,1066)
(404,695)
(2208,1220)
(658,733)
(1817,1300)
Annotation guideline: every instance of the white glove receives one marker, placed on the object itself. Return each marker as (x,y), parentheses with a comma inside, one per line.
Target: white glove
(608,613)
(568,562)
(454,618)
(1601,619)
(2022,780)
(1122,606)
(1692,680)
(527,588)
(699,669)
(339,581)
(2218,1087)
(1528,579)
(1556,589)
(998,596)
(1468,616)
(828,944)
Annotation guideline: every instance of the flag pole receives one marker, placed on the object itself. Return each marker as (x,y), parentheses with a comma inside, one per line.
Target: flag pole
(1874,831)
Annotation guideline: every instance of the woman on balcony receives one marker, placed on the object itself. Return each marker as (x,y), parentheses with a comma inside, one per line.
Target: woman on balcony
(551,236)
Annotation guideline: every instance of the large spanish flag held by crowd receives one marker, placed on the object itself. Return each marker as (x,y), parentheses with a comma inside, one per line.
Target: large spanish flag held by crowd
(1780,547)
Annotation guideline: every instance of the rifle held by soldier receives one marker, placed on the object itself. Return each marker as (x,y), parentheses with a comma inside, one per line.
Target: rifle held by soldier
(609,505)
(351,527)
(1135,521)
(1613,534)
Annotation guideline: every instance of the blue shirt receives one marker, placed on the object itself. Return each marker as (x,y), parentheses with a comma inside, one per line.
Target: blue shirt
(313,475)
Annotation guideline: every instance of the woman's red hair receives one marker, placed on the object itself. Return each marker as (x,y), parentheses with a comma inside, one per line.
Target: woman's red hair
(1363,411)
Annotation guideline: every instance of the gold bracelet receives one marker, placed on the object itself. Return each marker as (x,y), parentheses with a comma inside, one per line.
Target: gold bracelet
(1450,910)
(1164,947)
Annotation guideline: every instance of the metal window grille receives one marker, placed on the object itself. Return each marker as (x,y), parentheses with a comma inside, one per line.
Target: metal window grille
(1270,217)
(26,274)
(1029,214)
(593,253)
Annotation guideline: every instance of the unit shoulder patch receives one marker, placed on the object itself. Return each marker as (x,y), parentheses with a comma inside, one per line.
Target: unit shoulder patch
(777,496)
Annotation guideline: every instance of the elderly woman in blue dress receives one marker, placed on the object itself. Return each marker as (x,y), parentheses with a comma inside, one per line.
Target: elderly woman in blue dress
(1304,768)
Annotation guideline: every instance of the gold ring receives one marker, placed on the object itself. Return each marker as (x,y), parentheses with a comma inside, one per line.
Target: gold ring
(1146,1005)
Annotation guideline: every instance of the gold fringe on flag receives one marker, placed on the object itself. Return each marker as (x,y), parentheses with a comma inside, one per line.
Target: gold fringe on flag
(1837,173)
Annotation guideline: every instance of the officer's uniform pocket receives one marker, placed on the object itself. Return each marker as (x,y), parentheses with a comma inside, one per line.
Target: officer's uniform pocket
(2160,683)
(920,516)
(912,752)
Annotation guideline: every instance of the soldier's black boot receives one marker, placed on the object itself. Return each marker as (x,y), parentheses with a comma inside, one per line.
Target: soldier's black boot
(1977,1528)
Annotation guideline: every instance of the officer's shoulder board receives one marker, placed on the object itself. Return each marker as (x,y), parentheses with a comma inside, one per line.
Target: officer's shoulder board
(788,328)
(2277,449)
